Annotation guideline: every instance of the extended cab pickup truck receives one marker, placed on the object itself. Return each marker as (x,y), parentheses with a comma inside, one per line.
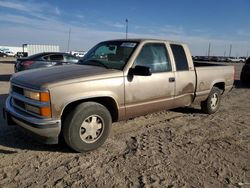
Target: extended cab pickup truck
(115,80)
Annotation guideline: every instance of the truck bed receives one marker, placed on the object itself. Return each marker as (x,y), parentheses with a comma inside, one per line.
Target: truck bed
(207,74)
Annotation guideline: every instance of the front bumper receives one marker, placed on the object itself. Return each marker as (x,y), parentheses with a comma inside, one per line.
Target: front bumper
(45,130)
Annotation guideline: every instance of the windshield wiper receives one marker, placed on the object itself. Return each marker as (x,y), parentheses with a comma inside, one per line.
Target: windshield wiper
(94,62)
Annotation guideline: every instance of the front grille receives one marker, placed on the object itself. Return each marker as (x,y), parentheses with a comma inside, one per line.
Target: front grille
(17,89)
(19,103)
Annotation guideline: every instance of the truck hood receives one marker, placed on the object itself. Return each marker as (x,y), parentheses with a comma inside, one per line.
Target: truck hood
(45,77)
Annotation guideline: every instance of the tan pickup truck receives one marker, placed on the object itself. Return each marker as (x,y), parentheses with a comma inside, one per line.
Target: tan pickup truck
(115,80)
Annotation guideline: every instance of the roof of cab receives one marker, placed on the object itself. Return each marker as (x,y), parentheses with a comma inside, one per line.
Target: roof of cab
(146,39)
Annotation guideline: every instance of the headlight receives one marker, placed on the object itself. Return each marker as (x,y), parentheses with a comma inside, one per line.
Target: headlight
(32,95)
(39,96)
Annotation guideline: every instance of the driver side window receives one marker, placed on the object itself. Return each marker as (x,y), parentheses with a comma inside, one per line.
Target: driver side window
(154,56)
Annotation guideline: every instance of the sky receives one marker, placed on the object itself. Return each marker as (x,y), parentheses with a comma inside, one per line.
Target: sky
(86,22)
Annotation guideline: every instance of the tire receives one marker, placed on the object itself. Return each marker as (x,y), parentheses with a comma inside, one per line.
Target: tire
(243,79)
(87,126)
(212,103)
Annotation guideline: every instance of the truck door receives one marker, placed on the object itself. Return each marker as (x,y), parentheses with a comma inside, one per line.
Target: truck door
(184,76)
(144,94)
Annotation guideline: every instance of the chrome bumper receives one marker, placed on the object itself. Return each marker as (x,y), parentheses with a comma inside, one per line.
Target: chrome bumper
(45,130)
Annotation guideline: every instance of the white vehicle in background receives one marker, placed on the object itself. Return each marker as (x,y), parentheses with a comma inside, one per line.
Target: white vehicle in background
(79,53)
(9,53)
(236,59)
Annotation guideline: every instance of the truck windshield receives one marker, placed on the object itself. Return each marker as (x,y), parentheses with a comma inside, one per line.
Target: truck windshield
(110,54)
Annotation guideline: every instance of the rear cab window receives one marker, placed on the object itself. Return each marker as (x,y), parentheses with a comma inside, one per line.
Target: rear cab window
(180,57)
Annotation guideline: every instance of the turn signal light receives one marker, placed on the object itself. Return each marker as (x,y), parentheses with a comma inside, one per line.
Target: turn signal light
(45,111)
(44,97)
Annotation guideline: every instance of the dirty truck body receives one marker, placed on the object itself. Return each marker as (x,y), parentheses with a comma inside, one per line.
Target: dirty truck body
(116,80)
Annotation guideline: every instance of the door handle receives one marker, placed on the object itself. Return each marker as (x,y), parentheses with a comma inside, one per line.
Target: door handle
(171,79)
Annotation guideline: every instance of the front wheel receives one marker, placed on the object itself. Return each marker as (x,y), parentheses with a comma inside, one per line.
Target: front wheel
(87,126)
(212,103)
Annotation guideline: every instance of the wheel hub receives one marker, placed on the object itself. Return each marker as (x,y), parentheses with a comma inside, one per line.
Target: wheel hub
(91,128)
(214,101)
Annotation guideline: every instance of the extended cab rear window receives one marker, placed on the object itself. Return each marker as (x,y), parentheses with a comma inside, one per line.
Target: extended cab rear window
(180,57)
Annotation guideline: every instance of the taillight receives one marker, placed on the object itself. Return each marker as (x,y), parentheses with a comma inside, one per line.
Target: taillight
(26,64)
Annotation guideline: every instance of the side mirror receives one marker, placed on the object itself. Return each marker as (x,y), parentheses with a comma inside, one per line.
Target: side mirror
(140,71)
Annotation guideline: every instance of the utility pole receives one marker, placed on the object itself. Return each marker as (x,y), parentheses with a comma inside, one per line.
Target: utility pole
(126,28)
(69,39)
(230,50)
(225,52)
(209,48)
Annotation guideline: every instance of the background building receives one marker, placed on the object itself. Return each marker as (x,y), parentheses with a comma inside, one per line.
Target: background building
(30,49)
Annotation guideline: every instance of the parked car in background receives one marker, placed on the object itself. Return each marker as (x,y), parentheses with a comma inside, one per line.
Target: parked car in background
(2,54)
(245,58)
(79,53)
(214,58)
(9,53)
(45,59)
(236,60)
(222,59)
(245,72)
(201,58)
(21,54)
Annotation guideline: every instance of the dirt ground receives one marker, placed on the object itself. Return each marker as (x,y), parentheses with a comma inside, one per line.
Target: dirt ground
(177,148)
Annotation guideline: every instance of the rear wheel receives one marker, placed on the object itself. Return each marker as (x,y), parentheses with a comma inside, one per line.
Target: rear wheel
(243,79)
(212,103)
(87,126)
